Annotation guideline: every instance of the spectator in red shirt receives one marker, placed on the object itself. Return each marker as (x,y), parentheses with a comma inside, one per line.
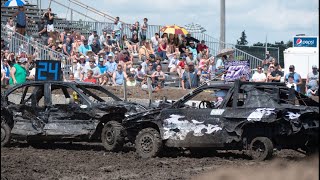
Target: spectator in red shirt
(180,66)
(90,78)
(202,46)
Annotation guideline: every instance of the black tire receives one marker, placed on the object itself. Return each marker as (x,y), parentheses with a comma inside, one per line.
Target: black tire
(148,143)
(312,150)
(261,148)
(112,136)
(5,134)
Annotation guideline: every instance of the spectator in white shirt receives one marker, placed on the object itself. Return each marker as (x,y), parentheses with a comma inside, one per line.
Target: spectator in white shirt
(259,75)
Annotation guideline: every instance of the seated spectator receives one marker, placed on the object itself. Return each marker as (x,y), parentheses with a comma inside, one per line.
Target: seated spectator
(190,59)
(5,68)
(83,48)
(296,77)
(118,76)
(181,65)
(212,68)
(275,76)
(91,37)
(162,50)
(71,78)
(155,64)
(269,71)
(173,64)
(204,61)
(126,43)
(11,27)
(259,75)
(193,49)
(150,49)
(183,47)
(125,59)
(135,43)
(145,64)
(131,77)
(75,69)
(189,39)
(95,46)
(135,28)
(155,42)
(158,76)
(140,75)
(149,71)
(291,83)
(95,69)
(202,46)
(103,79)
(205,75)
(312,82)
(103,37)
(111,67)
(90,77)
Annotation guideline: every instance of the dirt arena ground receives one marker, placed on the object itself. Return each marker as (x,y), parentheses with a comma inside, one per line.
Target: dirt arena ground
(90,161)
(84,161)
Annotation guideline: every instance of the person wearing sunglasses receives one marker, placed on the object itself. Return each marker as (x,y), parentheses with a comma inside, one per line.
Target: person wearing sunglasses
(259,76)
(296,77)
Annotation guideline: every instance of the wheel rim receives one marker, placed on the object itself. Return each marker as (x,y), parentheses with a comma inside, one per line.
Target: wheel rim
(109,134)
(146,143)
(3,134)
(258,149)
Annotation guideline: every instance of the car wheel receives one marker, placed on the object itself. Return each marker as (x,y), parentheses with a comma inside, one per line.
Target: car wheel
(5,134)
(148,143)
(261,148)
(111,136)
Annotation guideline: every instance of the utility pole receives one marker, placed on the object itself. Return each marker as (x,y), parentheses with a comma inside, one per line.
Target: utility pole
(222,24)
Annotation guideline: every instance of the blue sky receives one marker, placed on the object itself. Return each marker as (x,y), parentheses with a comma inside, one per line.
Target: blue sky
(280,20)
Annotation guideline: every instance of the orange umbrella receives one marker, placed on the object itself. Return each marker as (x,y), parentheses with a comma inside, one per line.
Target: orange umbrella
(174,29)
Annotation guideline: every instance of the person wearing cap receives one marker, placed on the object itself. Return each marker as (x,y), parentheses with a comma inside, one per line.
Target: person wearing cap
(192,48)
(103,69)
(296,77)
(111,67)
(275,75)
(190,78)
(18,73)
(91,37)
(83,48)
(312,82)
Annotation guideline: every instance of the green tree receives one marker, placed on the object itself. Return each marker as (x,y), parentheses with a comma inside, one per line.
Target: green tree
(243,39)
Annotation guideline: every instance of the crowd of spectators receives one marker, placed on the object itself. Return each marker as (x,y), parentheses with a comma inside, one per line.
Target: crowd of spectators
(107,57)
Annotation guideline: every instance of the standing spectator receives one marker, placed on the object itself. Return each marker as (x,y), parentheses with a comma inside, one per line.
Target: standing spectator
(259,75)
(18,73)
(67,47)
(190,59)
(275,75)
(220,66)
(63,35)
(181,66)
(190,78)
(126,43)
(42,29)
(296,77)
(266,62)
(312,82)
(144,28)
(173,64)
(118,76)
(49,17)
(11,27)
(204,75)
(212,68)
(155,42)
(91,37)
(135,28)
(6,69)
(117,28)
(83,48)
(21,20)
(140,75)
(158,76)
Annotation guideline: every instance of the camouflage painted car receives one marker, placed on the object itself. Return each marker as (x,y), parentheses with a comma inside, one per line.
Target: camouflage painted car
(255,117)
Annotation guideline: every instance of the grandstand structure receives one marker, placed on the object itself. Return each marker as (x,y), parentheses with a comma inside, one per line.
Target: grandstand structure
(86,27)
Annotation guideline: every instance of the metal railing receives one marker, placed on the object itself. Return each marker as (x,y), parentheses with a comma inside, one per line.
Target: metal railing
(19,43)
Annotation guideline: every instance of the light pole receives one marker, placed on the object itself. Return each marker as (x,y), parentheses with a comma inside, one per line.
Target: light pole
(222,24)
